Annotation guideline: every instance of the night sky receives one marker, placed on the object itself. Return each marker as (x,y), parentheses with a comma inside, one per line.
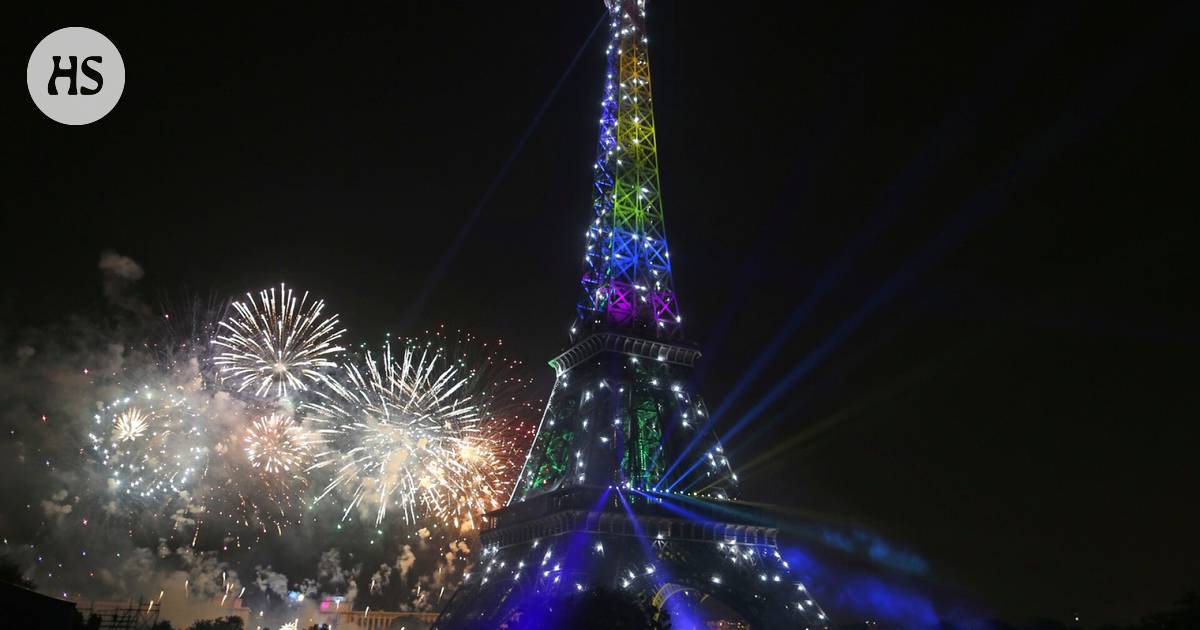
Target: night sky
(965,232)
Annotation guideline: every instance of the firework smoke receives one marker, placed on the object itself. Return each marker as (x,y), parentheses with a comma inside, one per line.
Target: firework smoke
(157,454)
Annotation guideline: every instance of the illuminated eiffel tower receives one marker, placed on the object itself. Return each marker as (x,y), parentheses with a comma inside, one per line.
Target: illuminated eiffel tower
(626,487)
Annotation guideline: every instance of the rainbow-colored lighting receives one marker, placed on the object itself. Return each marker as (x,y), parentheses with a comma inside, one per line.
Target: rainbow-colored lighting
(627,283)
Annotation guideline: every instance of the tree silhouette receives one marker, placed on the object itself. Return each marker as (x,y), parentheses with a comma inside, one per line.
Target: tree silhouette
(221,623)
(595,609)
(10,572)
(1185,614)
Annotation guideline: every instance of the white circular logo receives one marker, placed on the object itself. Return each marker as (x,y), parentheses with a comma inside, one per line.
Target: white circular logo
(75,75)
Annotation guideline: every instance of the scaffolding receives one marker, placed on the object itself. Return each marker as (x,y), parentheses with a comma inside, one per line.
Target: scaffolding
(122,615)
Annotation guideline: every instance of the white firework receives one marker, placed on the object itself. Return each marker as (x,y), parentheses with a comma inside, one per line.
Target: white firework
(278,343)
(156,446)
(392,436)
(130,425)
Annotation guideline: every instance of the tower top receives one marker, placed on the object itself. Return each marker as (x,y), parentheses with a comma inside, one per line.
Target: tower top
(627,285)
(631,11)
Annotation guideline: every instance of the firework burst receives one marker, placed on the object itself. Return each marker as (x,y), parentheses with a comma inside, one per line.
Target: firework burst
(130,425)
(431,431)
(256,481)
(278,343)
(390,432)
(157,445)
(275,443)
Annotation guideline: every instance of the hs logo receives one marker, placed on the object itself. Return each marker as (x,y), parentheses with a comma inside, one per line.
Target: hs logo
(65,80)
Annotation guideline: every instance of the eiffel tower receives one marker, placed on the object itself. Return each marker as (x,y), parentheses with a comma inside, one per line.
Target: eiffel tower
(626,487)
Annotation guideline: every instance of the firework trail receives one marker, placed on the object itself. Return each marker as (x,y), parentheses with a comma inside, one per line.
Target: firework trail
(255,477)
(255,480)
(277,344)
(475,485)
(489,457)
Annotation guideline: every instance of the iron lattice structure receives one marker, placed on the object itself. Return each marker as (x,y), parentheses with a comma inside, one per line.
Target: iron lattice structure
(627,283)
(622,488)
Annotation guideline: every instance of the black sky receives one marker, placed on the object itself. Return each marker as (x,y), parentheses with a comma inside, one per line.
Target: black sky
(999,196)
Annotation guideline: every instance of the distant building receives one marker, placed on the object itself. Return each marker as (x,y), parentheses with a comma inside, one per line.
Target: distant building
(382,619)
(335,612)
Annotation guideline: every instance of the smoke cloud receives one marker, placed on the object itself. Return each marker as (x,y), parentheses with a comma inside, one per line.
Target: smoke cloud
(85,525)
